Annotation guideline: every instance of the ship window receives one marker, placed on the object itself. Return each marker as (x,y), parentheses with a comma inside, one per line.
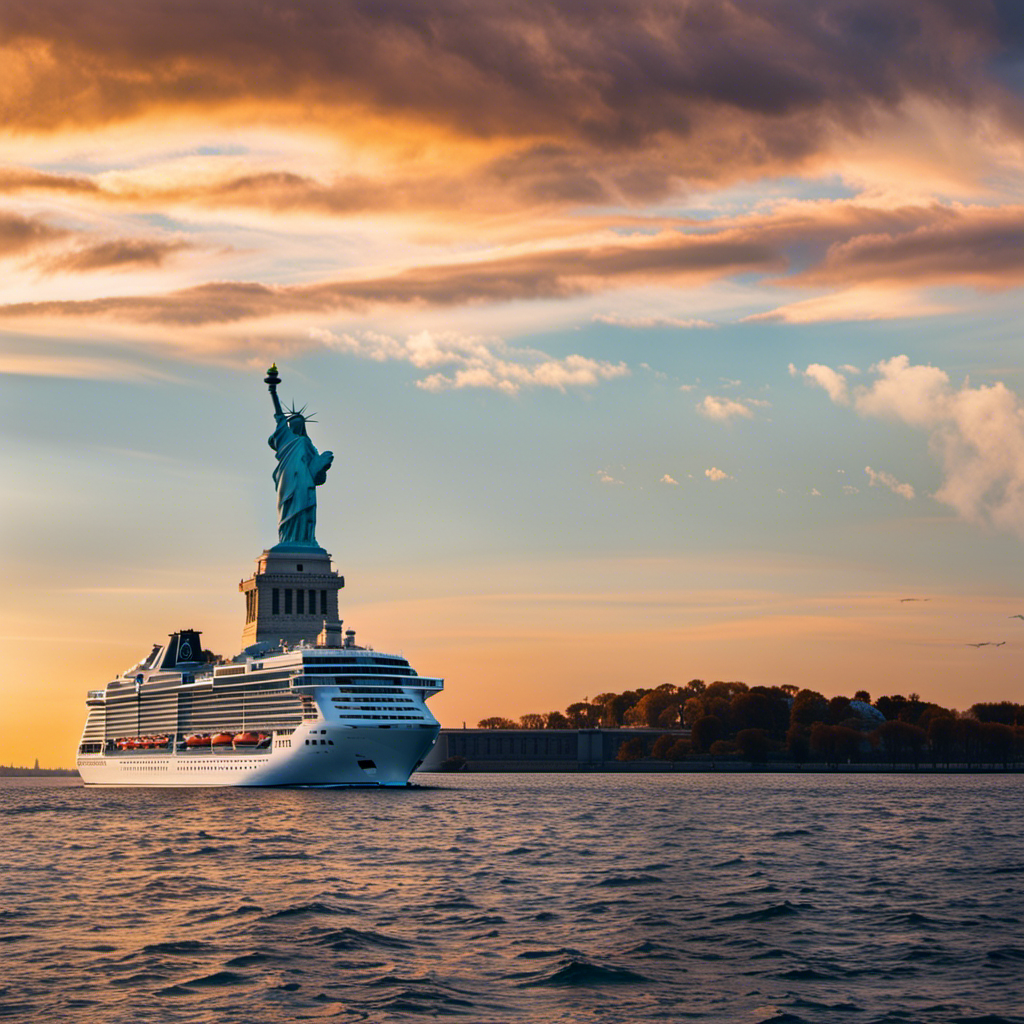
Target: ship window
(331,742)
(298,568)
(307,743)
(288,601)
(300,602)
(276,601)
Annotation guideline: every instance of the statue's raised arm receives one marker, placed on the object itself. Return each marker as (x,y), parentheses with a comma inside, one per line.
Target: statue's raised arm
(272,380)
(300,470)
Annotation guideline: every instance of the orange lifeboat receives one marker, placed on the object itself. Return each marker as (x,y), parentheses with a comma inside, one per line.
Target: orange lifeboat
(133,744)
(159,742)
(122,744)
(222,739)
(198,740)
(246,739)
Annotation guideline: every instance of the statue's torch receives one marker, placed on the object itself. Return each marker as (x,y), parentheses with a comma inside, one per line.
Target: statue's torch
(272,380)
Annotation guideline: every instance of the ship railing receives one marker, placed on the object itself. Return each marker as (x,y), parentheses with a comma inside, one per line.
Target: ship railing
(96,694)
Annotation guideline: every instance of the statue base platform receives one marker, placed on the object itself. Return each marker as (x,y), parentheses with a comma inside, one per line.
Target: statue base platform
(291,596)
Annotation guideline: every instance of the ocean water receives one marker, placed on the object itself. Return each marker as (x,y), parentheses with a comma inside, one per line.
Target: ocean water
(534,898)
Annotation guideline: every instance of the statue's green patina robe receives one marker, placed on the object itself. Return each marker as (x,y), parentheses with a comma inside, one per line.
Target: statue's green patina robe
(300,469)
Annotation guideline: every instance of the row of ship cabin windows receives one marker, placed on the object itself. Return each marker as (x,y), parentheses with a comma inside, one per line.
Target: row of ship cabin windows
(295,602)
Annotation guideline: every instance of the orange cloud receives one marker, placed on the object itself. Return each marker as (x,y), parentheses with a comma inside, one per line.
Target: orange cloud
(720,88)
(18,234)
(980,246)
(118,253)
(542,274)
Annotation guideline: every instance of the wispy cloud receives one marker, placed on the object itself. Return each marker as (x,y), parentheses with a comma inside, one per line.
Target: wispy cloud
(115,254)
(714,474)
(879,478)
(666,479)
(475,362)
(637,321)
(19,234)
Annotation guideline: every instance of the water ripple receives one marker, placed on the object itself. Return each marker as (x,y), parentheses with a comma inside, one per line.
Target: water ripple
(508,898)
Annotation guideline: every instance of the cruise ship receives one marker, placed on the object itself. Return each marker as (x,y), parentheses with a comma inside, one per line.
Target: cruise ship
(302,705)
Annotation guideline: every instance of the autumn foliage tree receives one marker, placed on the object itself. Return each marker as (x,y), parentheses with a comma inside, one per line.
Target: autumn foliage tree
(753,721)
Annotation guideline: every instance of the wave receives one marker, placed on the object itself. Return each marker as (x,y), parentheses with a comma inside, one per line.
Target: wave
(353,938)
(305,909)
(216,980)
(770,913)
(182,948)
(574,972)
(620,880)
(808,974)
(1014,953)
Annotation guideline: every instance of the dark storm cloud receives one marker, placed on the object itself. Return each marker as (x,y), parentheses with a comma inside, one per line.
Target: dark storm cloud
(771,76)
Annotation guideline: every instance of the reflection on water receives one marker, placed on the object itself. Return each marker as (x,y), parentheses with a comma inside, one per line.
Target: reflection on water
(739,898)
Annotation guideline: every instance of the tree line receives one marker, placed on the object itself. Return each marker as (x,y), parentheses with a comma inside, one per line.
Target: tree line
(755,723)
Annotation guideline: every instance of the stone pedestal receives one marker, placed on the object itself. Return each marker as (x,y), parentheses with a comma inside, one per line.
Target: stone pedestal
(292,596)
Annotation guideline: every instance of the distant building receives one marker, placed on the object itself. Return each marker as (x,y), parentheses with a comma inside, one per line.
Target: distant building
(36,765)
(536,749)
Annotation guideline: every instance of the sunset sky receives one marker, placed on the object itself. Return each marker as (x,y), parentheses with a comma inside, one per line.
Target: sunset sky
(654,340)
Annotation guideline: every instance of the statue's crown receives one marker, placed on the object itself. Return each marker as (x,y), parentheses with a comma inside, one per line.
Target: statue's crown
(300,414)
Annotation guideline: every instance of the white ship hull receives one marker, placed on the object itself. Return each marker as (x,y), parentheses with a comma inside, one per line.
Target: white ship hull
(341,756)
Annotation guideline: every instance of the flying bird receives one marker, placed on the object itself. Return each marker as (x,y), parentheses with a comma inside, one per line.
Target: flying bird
(1015,616)
(987,643)
(903,600)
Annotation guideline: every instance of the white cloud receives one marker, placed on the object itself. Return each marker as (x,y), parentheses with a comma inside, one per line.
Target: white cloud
(815,493)
(715,475)
(606,478)
(474,361)
(723,409)
(627,320)
(666,479)
(977,433)
(883,479)
(728,382)
(850,489)
(825,377)
(918,395)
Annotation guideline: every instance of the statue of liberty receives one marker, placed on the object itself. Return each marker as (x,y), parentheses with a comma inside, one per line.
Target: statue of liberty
(300,470)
